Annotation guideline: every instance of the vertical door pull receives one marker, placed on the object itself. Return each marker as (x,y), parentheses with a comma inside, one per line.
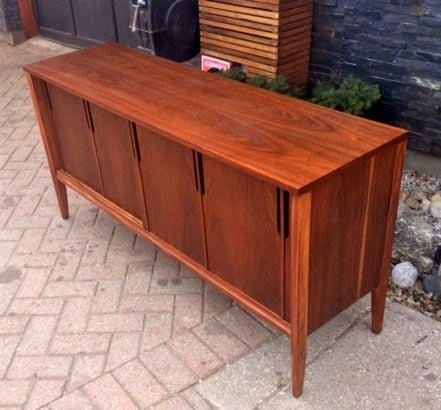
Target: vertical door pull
(201,173)
(195,169)
(286,214)
(48,97)
(135,142)
(88,116)
(278,208)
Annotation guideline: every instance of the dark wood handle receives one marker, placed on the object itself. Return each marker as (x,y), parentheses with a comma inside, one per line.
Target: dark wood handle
(135,142)
(278,208)
(286,214)
(195,169)
(201,173)
(88,116)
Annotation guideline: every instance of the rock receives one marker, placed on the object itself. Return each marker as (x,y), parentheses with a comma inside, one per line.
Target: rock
(419,195)
(404,275)
(436,197)
(432,285)
(435,209)
(413,203)
(413,241)
(403,195)
(425,205)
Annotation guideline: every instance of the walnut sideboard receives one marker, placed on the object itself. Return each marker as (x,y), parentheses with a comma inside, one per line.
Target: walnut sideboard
(287,207)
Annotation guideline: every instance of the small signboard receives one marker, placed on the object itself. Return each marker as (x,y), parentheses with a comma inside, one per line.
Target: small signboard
(207,63)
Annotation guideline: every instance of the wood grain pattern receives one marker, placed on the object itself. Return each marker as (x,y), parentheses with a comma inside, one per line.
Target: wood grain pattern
(338,209)
(283,137)
(174,207)
(242,252)
(352,235)
(117,160)
(377,219)
(74,138)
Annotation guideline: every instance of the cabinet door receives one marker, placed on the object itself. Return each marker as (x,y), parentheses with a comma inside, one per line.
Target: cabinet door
(75,141)
(242,223)
(117,160)
(173,201)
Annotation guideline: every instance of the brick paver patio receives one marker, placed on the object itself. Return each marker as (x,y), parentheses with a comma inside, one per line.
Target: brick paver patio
(91,316)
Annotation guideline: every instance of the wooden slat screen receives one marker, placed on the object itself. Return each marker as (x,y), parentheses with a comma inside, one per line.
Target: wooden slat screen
(269,37)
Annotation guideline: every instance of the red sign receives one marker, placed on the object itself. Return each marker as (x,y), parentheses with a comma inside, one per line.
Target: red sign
(208,63)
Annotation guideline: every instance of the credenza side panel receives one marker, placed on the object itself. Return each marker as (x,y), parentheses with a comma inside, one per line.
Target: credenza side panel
(244,246)
(172,193)
(348,235)
(73,137)
(381,190)
(339,207)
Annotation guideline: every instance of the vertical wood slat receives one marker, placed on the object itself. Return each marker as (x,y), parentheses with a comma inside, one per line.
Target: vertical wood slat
(268,37)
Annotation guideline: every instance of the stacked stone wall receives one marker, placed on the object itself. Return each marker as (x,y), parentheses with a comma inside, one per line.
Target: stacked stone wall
(394,43)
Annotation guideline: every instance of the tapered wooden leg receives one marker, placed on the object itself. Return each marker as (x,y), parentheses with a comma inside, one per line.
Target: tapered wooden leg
(43,112)
(378,296)
(300,251)
(298,354)
(378,300)
(60,191)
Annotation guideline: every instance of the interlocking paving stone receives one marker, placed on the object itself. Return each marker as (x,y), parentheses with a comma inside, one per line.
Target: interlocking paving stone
(73,401)
(117,322)
(173,403)
(8,344)
(245,327)
(33,283)
(82,343)
(27,367)
(123,348)
(220,340)
(75,315)
(141,385)
(195,354)
(85,368)
(106,393)
(14,392)
(37,335)
(11,325)
(168,368)
(107,297)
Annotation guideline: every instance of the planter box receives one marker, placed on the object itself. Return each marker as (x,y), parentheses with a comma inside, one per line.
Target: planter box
(269,37)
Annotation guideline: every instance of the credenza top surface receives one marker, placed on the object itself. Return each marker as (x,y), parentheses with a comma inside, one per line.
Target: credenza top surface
(286,141)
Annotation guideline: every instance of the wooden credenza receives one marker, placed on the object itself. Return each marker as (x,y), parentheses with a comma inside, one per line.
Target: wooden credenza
(287,207)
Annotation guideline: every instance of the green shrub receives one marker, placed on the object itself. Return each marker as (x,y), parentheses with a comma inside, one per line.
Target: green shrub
(233,74)
(278,85)
(353,96)
(295,92)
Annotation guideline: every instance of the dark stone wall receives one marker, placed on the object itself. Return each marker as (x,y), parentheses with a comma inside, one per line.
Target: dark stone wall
(10,19)
(394,43)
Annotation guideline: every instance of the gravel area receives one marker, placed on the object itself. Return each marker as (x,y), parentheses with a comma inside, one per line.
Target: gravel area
(415,297)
